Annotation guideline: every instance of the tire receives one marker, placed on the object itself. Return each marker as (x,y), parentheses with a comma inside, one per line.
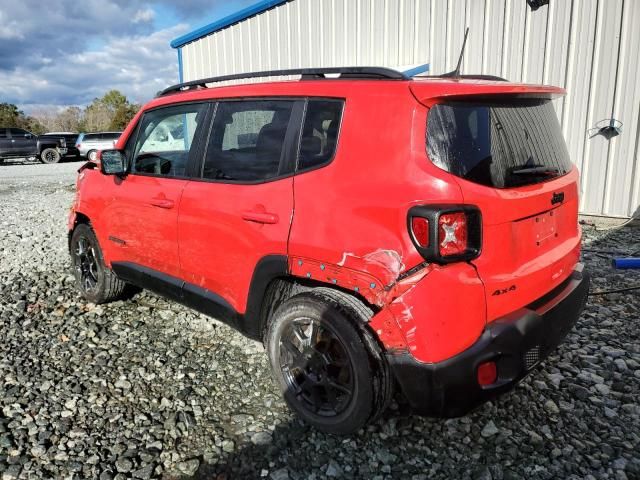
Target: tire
(96,282)
(50,155)
(321,360)
(91,155)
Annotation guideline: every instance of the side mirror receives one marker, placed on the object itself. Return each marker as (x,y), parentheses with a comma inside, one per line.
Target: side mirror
(113,162)
(28,135)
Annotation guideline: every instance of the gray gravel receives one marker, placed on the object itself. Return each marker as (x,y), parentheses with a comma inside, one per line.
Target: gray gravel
(146,388)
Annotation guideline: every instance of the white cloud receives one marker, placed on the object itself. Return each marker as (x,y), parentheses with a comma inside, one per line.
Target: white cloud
(9,29)
(144,16)
(139,66)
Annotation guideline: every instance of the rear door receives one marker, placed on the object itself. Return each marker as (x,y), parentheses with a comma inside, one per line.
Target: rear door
(240,208)
(511,161)
(141,220)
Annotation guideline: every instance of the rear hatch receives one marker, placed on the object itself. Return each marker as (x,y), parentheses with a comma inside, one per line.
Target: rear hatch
(508,155)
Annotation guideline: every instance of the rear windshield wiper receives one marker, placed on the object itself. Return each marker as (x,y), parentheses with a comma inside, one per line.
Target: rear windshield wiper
(537,170)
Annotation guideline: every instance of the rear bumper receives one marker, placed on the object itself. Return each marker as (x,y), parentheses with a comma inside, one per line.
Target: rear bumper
(516,342)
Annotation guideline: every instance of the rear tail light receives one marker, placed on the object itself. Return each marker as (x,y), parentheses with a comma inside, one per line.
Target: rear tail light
(446,233)
(452,234)
(487,373)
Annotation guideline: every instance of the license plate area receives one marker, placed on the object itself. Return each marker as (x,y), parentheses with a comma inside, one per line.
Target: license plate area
(544,227)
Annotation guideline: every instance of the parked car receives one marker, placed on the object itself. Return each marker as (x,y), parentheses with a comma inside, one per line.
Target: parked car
(20,143)
(88,144)
(379,234)
(70,139)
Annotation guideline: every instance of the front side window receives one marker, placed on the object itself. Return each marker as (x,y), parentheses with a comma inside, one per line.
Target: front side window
(502,144)
(247,141)
(18,132)
(164,141)
(320,133)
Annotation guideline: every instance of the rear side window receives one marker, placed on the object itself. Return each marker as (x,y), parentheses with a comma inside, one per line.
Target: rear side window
(164,141)
(247,141)
(320,133)
(91,137)
(3,133)
(499,144)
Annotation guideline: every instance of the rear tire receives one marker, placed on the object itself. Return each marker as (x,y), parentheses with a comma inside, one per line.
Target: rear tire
(50,155)
(96,282)
(92,155)
(322,361)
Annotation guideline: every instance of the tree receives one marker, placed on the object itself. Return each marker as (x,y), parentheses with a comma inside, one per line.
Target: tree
(9,115)
(12,116)
(123,115)
(69,120)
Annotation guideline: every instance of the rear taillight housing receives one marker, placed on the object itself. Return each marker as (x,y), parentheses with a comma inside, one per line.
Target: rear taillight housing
(446,233)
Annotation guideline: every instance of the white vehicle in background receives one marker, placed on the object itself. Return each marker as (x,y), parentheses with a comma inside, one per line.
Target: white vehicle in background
(88,144)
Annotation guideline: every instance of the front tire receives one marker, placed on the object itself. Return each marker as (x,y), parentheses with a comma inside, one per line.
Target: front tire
(95,281)
(50,155)
(322,363)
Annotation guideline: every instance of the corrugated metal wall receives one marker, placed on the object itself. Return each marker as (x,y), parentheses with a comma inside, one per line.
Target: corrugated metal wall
(591,47)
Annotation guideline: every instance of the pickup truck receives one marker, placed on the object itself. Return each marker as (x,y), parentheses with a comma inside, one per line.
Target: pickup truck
(19,143)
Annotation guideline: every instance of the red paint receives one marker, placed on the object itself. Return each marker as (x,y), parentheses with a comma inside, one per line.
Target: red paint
(345,224)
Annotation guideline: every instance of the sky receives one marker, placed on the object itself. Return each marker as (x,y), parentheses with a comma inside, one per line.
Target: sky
(56,53)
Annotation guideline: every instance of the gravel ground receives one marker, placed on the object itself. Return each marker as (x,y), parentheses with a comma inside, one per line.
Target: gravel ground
(146,388)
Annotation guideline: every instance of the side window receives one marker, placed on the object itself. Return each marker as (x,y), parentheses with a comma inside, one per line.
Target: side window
(247,141)
(18,132)
(320,133)
(164,141)
(3,133)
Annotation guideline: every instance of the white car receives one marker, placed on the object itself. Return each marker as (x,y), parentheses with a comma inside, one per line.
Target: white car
(88,144)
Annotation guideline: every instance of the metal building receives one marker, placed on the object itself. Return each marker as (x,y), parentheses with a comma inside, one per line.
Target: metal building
(590,47)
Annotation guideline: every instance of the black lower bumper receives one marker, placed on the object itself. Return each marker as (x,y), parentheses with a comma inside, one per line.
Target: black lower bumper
(516,342)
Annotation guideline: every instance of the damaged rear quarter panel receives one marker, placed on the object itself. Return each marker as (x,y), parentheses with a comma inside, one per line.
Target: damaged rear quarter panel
(350,226)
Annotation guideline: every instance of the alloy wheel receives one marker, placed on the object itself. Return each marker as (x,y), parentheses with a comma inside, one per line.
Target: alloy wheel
(86,264)
(316,367)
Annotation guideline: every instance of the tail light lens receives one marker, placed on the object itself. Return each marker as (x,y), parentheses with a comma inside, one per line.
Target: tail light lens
(452,234)
(446,233)
(420,230)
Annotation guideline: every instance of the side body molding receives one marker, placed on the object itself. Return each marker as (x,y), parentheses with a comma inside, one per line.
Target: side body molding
(250,323)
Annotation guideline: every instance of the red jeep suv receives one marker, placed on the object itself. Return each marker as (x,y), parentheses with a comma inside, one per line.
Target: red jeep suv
(380,234)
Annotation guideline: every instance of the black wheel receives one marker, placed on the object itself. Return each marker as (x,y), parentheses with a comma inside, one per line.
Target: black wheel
(92,155)
(322,363)
(50,155)
(95,281)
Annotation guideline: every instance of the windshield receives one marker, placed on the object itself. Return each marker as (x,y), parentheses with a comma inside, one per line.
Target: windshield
(501,144)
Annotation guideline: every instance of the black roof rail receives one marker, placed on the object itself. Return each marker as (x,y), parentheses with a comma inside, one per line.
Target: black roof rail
(375,73)
(473,77)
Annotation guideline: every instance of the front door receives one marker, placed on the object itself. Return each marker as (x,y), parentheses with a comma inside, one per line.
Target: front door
(142,219)
(23,142)
(240,209)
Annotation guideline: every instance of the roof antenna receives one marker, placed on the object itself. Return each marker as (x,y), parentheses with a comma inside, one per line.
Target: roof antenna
(456,72)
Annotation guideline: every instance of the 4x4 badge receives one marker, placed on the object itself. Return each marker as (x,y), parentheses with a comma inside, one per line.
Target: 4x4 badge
(557,198)
(502,291)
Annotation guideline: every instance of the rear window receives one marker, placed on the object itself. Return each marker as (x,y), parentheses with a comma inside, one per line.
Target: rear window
(500,144)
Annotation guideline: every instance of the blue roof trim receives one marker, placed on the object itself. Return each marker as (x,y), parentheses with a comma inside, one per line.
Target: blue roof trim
(417,70)
(239,16)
